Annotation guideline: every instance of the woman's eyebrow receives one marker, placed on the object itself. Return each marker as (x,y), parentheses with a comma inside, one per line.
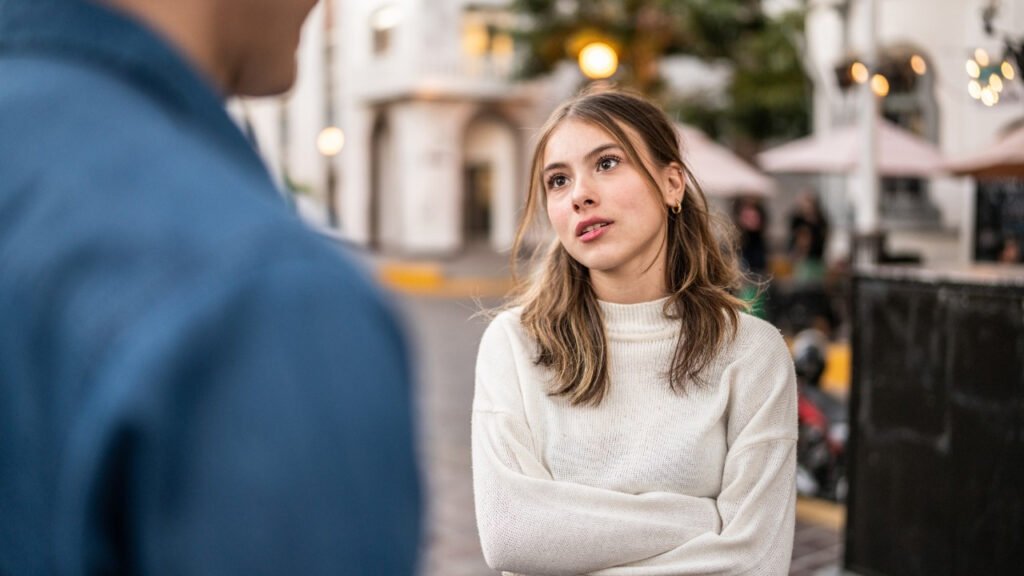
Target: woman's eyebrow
(590,155)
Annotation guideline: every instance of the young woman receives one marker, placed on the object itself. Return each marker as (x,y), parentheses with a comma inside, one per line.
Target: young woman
(629,418)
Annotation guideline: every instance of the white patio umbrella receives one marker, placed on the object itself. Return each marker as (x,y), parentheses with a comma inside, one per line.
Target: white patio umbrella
(900,153)
(1004,158)
(718,171)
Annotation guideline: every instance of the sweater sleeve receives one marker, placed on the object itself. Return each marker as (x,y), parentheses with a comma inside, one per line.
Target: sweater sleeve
(757,503)
(532,524)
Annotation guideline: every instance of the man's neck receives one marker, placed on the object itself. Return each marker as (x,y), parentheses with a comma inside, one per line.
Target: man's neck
(188,25)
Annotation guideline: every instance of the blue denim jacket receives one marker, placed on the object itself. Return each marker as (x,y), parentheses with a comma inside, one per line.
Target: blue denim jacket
(190,381)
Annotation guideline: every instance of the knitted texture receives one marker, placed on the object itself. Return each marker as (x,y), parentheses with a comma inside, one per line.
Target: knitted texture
(651,481)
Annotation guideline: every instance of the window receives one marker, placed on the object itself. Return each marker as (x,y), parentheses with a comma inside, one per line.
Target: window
(383,21)
(487,35)
(910,104)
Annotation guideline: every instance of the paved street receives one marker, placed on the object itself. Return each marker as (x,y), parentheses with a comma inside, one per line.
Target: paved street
(446,336)
(446,341)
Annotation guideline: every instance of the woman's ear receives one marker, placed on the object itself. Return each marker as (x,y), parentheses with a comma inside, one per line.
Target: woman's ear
(674,181)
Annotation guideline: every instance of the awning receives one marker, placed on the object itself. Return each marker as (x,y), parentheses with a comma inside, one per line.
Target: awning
(718,170)
(1002,159)
(900,153)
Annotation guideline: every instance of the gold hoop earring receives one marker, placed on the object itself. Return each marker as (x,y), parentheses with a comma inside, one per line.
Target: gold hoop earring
(678,208)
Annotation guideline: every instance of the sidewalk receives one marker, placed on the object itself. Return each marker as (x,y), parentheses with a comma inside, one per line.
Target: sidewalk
(818,541)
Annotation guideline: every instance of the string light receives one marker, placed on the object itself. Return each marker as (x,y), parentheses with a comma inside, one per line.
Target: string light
(989,97)
(988,79)
(918,65)
(880,85)
(859,72)
(973,69)
(974,89)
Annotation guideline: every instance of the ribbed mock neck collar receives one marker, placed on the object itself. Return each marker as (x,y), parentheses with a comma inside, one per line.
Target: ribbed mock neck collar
(643,319)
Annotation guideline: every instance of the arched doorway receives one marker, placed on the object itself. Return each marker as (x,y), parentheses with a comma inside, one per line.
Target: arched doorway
(490,162)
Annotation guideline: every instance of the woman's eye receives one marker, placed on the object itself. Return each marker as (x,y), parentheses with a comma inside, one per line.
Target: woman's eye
(607,163)
(557,181)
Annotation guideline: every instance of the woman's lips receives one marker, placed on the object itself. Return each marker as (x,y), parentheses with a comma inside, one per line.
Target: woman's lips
(595,233)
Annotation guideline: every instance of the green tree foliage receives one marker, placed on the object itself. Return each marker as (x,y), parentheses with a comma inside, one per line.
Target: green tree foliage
(768,96)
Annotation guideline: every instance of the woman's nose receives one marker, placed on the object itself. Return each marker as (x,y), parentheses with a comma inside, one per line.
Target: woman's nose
(583,195)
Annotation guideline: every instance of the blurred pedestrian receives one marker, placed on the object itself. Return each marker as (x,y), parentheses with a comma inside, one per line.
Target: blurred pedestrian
(1010,253)
(751,221)
(192,382)
(808,232)
(629,418)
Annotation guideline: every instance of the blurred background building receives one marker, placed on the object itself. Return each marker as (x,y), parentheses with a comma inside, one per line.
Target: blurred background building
(947,78)
(409,129)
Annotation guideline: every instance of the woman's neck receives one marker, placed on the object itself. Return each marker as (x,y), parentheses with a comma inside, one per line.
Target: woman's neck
(646,286)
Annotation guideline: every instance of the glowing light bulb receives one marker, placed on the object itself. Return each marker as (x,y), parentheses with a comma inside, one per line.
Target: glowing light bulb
(330,141)
(859,72)
(918,65)
(981,56)
(1007,70)
(989,97)
(598,60)
(974,89)
(880,85)
(973,70)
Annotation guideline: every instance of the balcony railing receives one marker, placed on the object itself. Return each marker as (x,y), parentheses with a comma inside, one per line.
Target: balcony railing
(454,77)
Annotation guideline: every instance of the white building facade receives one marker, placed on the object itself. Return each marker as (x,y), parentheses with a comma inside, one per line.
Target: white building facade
(438,132)
(933,219)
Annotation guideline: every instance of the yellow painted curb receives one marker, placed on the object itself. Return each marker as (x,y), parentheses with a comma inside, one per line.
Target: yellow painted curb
(420,276)
(821,512)
(428,279)
(456,288)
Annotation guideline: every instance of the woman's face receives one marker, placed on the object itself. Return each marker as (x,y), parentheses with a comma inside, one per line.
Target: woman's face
(601,205)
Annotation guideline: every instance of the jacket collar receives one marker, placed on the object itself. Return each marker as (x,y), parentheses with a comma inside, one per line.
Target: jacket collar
(85,31)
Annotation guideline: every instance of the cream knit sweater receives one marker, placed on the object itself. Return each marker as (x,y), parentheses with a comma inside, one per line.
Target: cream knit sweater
(650,482)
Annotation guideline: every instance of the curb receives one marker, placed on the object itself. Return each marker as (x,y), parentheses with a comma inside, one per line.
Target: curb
(823,513)
(429,279)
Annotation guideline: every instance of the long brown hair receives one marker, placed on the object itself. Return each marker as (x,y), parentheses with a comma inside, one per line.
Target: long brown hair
(560,309)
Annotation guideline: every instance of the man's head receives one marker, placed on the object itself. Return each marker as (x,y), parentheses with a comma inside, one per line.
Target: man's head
(246,47)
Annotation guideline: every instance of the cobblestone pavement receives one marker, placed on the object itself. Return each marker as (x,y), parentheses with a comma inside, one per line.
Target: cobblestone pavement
(445,338)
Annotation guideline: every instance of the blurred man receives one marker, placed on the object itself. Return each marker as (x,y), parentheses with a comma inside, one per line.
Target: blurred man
(191,382)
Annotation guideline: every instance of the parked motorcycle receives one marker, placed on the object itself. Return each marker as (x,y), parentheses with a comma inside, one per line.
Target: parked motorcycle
(823,423)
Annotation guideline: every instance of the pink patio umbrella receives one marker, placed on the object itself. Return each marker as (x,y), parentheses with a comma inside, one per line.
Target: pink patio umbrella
(718,171)
(900,153)
(1004,158)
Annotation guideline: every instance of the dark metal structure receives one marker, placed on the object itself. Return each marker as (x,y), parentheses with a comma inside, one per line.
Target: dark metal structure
(937,416)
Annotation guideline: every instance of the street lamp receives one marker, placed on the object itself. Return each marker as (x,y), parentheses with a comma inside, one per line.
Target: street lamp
(598,60)
(329,142)
(331,139)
